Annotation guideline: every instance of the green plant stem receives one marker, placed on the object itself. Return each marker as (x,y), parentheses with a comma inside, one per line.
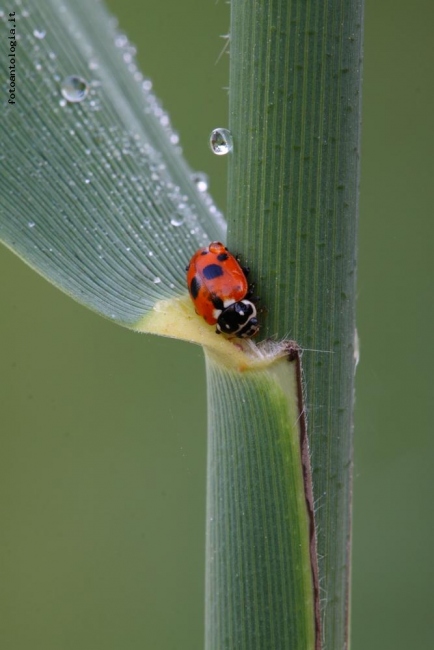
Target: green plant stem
(259,588)
(295,81)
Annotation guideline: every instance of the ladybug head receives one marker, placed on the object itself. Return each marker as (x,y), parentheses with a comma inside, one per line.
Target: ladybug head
(239,318)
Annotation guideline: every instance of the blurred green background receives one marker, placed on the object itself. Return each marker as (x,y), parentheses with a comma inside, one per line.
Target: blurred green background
(103,432)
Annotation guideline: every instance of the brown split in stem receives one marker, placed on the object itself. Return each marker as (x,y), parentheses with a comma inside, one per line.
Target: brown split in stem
(294,355)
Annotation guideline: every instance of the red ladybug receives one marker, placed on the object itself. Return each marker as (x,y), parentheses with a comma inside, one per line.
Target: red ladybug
(220,292)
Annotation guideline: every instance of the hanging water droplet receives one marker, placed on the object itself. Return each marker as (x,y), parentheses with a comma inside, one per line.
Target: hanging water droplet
(74,89)
(31,224)
(156,280)
(221,141)
(39,33)
(201,181)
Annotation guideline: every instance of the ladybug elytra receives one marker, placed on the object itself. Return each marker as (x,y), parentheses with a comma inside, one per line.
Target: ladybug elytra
(220,292)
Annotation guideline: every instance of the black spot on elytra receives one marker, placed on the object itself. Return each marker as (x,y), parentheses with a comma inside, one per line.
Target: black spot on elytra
(217,302)
(204,252)
(222,257)
(194,288)
(212,271)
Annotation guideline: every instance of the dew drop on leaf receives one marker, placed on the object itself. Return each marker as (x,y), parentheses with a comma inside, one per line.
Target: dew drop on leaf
(39,33)
(74,89)
(201,181)
(176,221)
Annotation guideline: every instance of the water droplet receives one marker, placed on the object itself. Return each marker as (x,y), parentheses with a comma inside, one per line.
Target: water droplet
(356,349)
(121,40)
(31,224)
(221,141)
(39,33)
(74,89)
(177,221)
(156,280)
(201,181)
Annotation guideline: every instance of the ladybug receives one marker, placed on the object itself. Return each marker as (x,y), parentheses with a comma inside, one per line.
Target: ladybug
(220,292)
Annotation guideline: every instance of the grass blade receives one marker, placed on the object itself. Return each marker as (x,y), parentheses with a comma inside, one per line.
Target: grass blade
(294,94)
(98,199)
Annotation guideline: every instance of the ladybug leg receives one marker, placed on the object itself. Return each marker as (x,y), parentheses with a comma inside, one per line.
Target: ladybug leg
(250,295)
(245,269)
